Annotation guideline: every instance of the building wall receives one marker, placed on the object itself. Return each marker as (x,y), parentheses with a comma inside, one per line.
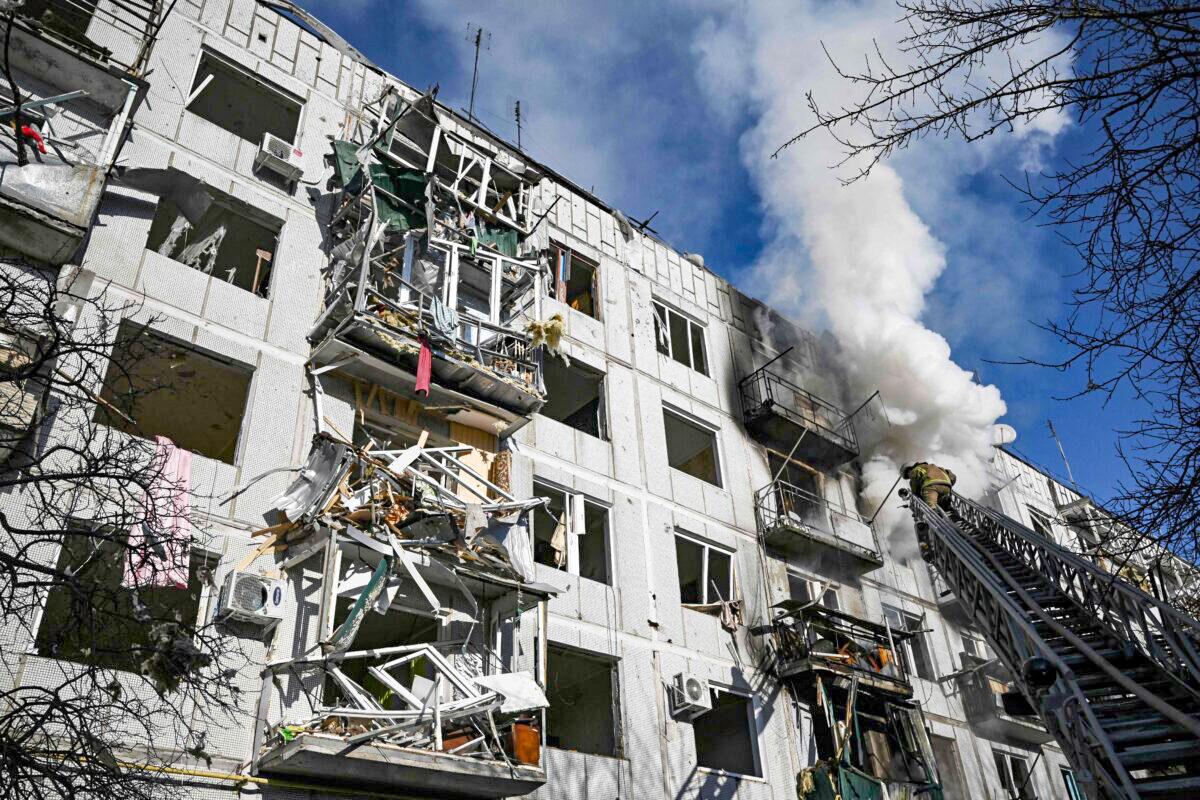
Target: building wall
(638,619)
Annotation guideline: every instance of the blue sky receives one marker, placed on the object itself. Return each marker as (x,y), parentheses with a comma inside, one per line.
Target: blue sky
(665,107)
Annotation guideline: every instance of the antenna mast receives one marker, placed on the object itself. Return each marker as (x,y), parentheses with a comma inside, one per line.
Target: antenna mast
(517,114)
(1063,453)
(479,31)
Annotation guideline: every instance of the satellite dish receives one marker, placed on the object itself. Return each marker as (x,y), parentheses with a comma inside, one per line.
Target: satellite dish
(1003,434)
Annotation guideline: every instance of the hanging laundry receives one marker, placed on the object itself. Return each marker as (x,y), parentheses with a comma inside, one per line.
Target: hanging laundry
(424,367)
(444,322)
(158,548)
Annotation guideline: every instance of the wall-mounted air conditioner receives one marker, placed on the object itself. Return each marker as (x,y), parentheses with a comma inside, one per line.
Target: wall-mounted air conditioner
(692,696)
(247,597)
(280,157)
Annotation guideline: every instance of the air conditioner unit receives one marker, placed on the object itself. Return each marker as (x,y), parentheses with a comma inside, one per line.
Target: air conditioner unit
(693,696)
(280,157)
(247,597)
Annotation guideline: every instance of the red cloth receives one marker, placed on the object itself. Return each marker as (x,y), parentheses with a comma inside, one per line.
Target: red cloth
(424,368)
(37,137)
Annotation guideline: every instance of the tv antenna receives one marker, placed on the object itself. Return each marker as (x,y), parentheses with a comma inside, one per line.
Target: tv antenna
(480,42)
(517,115)
(1063,453)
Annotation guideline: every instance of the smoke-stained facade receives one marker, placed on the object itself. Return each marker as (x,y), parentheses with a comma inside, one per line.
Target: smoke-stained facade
(695,451)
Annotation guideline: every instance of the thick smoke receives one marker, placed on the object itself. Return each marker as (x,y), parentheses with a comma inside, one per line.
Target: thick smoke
(854,259)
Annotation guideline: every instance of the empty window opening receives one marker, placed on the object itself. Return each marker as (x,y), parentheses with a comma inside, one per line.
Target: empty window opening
(691,448)
(805,590)
(242,103)
(1014,776)
(725,737)
(1041,523)
(705,572)
(680,338)
(575,397)
(101,627)
(945,755)
(571,534)
(797,492)
(391,629)
(161,388)
(584,712)
(914,654)
(231,240)
(575,280)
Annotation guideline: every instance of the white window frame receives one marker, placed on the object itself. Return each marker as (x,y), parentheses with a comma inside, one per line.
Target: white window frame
(906,648)
(813,585)
(662,322)
(1039,517)
(266,83)
(1009,779)
(978,641)
(752,729)
(699,423)
(706,547)
(575,505)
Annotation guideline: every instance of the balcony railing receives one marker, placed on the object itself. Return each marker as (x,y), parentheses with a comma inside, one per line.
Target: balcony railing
(779,410)
(983,685)
(812,638)
(790,518)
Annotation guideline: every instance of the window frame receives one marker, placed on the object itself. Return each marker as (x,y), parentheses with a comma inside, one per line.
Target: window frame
(751,730)
(613,663)
(1008,781)
(1039,518)
(810,587)
(705,547)
(695,422)
(264,82)
(603,433)
(693,328)
(907,652)
(556,248)
(575,506)
(1071,784)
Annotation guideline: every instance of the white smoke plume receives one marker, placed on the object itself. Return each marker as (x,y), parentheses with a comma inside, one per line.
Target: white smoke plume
(854,259)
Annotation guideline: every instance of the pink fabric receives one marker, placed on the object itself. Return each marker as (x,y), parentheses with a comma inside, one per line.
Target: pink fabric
(165,561)
(424,368)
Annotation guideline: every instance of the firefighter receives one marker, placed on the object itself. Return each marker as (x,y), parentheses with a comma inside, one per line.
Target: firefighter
(931,483)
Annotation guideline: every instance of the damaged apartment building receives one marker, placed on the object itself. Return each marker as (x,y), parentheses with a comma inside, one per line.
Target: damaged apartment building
(505,495)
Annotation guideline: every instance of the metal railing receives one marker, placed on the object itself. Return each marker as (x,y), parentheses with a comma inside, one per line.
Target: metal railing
(782,504)
(818,633)
(1163,634)
(94,27)
(765,388)
(983,590)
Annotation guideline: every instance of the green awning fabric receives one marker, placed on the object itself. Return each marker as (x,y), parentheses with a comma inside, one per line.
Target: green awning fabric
(504,239)
(401,199)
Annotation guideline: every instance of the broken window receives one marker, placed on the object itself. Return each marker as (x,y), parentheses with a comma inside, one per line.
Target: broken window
(913,653)
(396,627)
(974,645)
(584,711)
(1014,776)
(945,756)
(691,448)
(100,626)
(1041,523)
(805,590)
(242,103)
(705,572)
(575,396)
(169,389)
(725,737)
(231,240)
(571,534)
(1072,786)
(575,280)
(680,338)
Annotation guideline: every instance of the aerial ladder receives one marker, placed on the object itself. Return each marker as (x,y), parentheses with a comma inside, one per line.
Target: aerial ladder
(1113,673)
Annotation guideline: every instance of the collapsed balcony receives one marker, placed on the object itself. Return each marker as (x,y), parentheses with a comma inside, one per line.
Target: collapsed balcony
(796,521)
(77,68)
(420,276)
(993,704)
(429,673)
(779,413)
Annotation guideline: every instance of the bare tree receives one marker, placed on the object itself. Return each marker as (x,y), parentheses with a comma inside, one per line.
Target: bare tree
(86,558)
(1126,73)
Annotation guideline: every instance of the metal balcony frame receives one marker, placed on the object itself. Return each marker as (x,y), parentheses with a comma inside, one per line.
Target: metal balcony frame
(765,388)
(769,518)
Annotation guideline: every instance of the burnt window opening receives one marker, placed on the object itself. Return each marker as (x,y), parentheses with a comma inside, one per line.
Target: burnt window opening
(584,712)
(705,572)
(571,534)
(232,241)
(575,280)
(159,387)
(575,397)
(804,590)
(725,736)
(914,654)
(974,645)
(949,770)
(101,627)
(1041,523)
(391,629)
(691,448)
(680,338)
(242,103)
(1014,775)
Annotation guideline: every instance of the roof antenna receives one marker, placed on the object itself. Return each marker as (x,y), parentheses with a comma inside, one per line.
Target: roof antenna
(479,32)
(517,114)
(1063,453)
